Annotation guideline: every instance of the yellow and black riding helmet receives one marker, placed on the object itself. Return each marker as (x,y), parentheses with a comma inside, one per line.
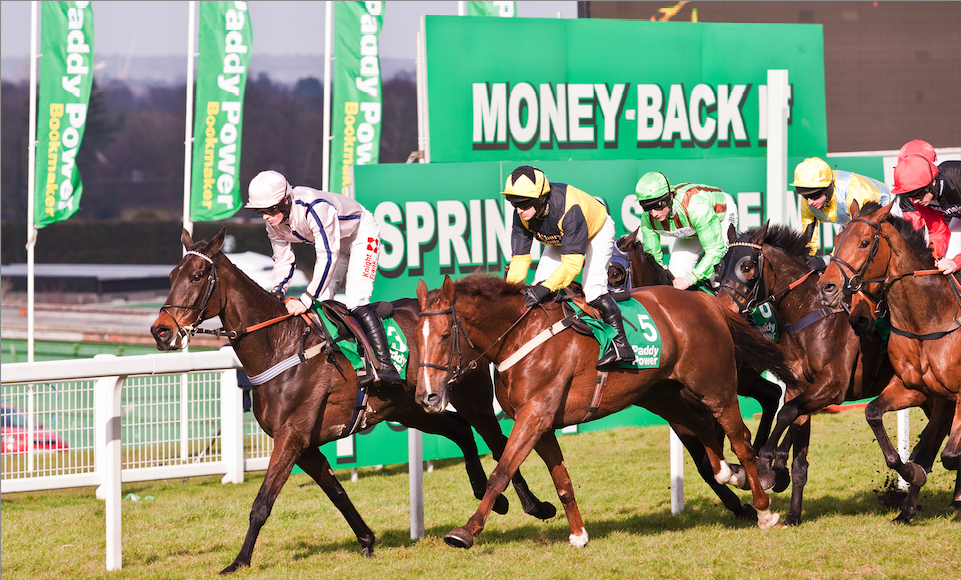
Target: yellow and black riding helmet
(527,187)
(654,191)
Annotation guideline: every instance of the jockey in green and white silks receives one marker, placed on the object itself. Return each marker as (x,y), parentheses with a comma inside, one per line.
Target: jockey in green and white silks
(695,216)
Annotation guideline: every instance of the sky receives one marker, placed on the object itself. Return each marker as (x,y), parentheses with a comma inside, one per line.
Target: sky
(140,28)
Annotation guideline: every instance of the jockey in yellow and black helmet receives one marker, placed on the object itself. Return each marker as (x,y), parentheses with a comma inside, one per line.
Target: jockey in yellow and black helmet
(578,235)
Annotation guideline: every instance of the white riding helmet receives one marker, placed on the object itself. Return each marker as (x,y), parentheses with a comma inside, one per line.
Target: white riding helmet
(267,189)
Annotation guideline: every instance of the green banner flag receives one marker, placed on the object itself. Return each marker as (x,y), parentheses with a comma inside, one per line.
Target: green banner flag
(501,9)
(66,74)
(357,101)
(225,40)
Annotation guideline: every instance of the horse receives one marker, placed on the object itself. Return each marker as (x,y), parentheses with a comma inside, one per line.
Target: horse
(924,347)
(318,400)
(701,345)
(633,267)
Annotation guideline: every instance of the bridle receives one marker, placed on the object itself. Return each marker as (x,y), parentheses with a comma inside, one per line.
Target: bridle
(854,282)
(756,293)
(456,370)
(186,331)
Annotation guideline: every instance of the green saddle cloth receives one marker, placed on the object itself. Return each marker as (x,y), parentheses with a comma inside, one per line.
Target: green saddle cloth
(640,330)
(396,343)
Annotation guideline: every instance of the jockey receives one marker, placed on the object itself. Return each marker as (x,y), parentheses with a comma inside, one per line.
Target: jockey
(697,216)
(346,238)
(577,234)
(931,194)
(828,195)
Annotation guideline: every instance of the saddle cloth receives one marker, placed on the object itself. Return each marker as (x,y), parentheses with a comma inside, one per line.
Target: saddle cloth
(333,316)
(640,330)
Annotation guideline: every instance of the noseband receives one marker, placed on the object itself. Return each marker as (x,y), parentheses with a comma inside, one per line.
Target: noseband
(186,332)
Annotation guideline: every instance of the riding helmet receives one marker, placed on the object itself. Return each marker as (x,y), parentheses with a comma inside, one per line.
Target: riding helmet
(913,173)
(267,189)
(653,191)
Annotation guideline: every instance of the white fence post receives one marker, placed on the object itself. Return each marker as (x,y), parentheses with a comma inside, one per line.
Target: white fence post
(415,474)
(107,412)
(231,428)
(677,473)
(904,441)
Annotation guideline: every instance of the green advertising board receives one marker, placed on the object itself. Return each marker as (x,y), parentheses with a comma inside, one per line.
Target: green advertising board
(551,89)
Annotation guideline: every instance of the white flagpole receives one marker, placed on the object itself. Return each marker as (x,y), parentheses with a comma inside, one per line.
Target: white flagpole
(325,163)
(188,132)
(31,178)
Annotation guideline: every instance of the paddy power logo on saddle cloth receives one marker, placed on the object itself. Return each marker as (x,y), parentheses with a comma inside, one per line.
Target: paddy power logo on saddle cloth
(640,330)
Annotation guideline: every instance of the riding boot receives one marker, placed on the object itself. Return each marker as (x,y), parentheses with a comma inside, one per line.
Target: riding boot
(620,350)
(371,324)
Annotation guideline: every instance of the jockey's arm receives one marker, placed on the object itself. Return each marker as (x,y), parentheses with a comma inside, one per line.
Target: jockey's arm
(521,242)
(807,218)
(651,239)
(708,226)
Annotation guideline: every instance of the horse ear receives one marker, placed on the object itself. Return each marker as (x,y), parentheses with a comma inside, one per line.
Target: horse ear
(854,208)
(214,244)
(760,233)
(422,295)
(447,290)
(186,240)
(731,234)
(883,213)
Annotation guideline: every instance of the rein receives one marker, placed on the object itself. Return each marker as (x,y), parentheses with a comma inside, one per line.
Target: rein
(456,328)
(852,285)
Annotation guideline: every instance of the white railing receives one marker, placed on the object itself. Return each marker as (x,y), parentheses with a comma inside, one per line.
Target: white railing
(145,460)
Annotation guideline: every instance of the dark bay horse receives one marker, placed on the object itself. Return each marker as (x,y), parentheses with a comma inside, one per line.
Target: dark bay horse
(314,402)
(634,267)
(925,314)
(554,385)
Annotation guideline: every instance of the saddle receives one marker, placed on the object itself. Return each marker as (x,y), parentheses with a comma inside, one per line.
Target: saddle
(349,330)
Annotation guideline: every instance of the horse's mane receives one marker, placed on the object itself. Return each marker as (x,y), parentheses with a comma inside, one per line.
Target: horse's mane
(482,285)
(662,275)
(783,237)
(913,237)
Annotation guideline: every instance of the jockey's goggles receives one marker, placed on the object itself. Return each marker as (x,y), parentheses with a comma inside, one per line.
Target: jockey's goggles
(812,194)
(521,202)
(656,203)
(918,193)
(277,208)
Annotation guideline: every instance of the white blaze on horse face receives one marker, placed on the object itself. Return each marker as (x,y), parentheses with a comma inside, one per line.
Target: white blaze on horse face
(426,341)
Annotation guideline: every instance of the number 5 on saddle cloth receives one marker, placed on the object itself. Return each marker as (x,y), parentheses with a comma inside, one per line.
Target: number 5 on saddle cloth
(639,328)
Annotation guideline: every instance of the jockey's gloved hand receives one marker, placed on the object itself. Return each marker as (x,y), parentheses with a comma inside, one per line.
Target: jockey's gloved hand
(278,293)
(536,294)
(819,263)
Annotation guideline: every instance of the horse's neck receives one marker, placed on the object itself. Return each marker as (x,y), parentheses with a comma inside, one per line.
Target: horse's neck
(245,303)
(919,299)
(484,325)
(786,271)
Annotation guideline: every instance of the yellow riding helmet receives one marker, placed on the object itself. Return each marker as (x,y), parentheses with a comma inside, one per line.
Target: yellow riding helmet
(813,173)
(526,181)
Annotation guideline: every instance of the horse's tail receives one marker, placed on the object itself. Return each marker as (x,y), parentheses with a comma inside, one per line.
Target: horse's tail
(753,349)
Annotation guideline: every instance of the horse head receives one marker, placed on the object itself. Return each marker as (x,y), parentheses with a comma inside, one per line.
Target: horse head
(436,338)
(858,255)
(741,272)
(192,286)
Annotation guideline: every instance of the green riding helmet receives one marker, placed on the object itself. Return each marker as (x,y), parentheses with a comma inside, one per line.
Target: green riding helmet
(653,191)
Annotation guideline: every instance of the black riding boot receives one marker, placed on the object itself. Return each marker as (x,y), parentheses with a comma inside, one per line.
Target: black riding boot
(370,322)
(620,350)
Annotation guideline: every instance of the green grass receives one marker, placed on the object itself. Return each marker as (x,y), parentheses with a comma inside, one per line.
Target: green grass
(194,529)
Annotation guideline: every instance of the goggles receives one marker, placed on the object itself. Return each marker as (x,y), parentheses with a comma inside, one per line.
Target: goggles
(812,194)
(918,193)
(270,210)
(656,203)
(521,202)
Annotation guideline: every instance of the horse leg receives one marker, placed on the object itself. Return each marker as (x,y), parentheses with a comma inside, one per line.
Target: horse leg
(315,464)
(549,450)
(781,475)
(925,452)
(801,435)
(479,412)
(766,393)
(529,426)
(894,397)
(287,448)
(455,428)
(729,416)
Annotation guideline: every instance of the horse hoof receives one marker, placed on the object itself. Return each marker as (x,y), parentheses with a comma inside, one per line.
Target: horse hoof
(747,513)
(579,540)
(914,474)
(232,568)
(954,507)
(781,480)
(501,505)
(767,519)
(459,538)
(544,510)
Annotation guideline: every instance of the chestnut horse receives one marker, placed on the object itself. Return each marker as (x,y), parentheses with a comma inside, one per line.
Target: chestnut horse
(314,402)
(769,266)
(554,385)
(633,267)
(924,346)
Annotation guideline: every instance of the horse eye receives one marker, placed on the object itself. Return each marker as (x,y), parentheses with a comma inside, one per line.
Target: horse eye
(865,243)
(196,276)
(445,337)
